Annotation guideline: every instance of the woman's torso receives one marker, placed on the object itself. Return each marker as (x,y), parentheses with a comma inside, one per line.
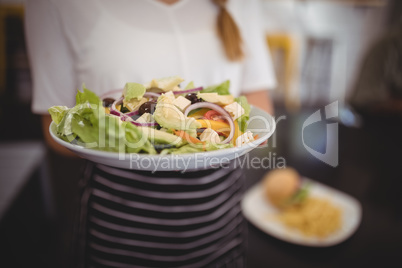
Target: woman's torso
(113,43)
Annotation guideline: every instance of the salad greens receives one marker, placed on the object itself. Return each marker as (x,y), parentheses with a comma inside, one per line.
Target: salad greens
(301,195)
(88,124)
(133,91)
(57,113)
(243,119)
(158,117)
(190,85)
(221,89)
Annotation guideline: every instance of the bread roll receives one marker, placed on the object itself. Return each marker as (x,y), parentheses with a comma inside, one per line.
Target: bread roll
(280,185)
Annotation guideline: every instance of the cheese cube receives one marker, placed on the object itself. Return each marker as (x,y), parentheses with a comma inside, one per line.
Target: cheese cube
(182,103)
(210,135)
(170,95)
(145,118)
(235,110)
(134,103)
(176,88)
(245,138)
(166,83)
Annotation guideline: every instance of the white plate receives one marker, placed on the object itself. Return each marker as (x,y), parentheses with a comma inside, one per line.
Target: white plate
(259,211)
(260,123)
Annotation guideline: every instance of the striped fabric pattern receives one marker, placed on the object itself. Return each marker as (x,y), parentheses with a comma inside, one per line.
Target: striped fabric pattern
(163,219)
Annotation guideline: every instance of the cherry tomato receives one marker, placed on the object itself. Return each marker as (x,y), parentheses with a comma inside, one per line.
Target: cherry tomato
(213,115)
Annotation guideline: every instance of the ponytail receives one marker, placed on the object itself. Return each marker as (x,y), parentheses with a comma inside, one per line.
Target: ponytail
(229,33)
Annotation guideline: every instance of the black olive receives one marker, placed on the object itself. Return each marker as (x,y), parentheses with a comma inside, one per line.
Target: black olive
(193,98)
(107,102)
(148,107)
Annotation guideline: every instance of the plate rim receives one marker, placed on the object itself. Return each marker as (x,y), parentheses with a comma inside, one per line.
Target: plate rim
(238,151)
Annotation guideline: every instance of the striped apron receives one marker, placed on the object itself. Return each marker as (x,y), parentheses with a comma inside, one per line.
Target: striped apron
(131,218)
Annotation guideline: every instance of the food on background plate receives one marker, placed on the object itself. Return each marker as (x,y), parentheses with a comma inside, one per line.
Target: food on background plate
(297,209)
(315,217)
(157,117)
(283,187)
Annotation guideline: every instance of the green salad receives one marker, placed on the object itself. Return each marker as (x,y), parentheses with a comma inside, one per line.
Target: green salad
(159,117)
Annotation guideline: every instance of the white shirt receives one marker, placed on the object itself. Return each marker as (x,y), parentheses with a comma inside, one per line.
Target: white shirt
(104,44)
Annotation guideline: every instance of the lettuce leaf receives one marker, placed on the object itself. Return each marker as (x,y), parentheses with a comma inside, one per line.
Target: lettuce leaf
(190,85)
(133,90)
(221,89)
(86,96)
(301,195)
(88,125)
(57,113)
(242,120)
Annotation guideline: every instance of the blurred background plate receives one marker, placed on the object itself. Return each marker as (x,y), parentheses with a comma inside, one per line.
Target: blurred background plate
(259,212)
(260,123)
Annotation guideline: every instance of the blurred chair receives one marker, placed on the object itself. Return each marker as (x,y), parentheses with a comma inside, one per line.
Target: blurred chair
(285,49)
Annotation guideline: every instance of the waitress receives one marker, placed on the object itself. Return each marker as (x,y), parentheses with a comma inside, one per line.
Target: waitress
(105,44)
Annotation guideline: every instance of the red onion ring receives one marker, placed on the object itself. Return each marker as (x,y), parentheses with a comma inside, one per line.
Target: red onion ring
(188,90)
(110,92)
(113,109)
(132,113)
(151,94)
(220,110)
